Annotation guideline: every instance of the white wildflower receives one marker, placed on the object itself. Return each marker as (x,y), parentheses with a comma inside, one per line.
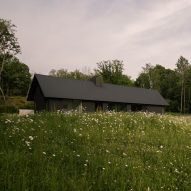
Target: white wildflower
(107,151)
(27,143)
(124,154)
(31,138)
(7,121)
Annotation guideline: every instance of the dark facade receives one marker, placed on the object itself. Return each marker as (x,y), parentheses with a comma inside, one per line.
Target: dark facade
(53,93)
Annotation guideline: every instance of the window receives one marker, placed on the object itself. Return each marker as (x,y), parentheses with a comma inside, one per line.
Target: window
(65,106)
(136,107)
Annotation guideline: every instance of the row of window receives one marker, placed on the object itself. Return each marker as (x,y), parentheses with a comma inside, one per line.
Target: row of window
(95,106)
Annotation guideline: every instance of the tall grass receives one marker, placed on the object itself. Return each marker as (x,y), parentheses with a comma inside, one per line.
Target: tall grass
(95,151)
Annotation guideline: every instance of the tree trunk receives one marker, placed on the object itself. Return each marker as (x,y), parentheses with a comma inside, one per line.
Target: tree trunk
(2,93)
(1,70)
(181,101)
(188,102)
(184,99)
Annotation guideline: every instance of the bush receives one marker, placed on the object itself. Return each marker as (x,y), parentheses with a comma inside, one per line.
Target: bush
(8,109)
(14,103)
(28,105)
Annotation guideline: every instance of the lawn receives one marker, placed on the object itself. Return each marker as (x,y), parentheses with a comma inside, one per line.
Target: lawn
(95,151)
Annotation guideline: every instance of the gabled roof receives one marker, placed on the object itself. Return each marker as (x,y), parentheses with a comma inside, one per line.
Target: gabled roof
(56,87)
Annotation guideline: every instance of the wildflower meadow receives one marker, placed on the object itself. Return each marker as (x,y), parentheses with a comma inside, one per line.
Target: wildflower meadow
(95,151)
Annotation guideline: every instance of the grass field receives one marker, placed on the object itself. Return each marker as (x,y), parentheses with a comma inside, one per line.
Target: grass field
(95,151)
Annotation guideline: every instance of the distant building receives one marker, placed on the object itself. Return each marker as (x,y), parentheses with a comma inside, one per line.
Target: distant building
(54,93)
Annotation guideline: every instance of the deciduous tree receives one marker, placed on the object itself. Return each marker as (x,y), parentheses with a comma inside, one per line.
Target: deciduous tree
(112,72)
(16,77)
(76,74)
(183,67)
(8,45)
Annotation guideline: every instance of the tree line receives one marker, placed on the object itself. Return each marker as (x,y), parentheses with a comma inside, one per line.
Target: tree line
(173,84)
(15,77)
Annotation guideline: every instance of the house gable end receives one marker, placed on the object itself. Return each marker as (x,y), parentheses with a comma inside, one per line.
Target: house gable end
(34,86)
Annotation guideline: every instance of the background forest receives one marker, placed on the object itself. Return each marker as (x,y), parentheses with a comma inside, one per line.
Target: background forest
(15,78)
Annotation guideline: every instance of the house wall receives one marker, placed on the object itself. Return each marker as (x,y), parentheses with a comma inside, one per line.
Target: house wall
(105,106)
(155,109)
(148,108)
(88,106)
(119,107)
(63,104)
(39,100)
(128,107)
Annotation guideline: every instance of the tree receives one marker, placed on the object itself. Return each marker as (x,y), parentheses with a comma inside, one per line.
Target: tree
(8,45)
(76,74)
(188,85)
(150,77)
(59,73)
(162,79)
(112,72)
(148,71)
(142,81)
(183,67)
(15,77)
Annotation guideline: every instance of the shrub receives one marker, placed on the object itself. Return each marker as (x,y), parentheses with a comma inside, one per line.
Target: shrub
(8,109)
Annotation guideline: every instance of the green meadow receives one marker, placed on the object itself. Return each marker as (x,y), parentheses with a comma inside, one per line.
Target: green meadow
(95,151)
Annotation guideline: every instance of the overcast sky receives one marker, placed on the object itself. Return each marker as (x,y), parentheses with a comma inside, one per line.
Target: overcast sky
(76,34)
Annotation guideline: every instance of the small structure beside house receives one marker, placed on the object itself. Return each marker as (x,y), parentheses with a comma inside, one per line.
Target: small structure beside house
(23,112)
(54,93)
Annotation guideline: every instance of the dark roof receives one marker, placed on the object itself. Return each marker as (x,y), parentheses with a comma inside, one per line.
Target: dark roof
(56,87)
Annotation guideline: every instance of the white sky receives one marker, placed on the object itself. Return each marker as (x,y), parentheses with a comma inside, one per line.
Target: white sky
(76,34)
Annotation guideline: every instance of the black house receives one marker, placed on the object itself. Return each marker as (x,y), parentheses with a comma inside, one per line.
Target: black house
(54,93)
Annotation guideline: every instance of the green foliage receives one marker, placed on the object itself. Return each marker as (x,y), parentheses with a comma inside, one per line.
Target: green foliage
(95,151)
(8,109)
(183,69)
(142,81)
(112,72)
(8,41)
(15,77)
(14,103)
(70,75)
(182,66)
(174,85)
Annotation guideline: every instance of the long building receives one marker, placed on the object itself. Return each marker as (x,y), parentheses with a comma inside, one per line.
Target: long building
(54,93)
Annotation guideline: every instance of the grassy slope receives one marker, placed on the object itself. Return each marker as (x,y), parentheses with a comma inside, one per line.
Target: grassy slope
(17,101)
(103,151)
(14,100)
